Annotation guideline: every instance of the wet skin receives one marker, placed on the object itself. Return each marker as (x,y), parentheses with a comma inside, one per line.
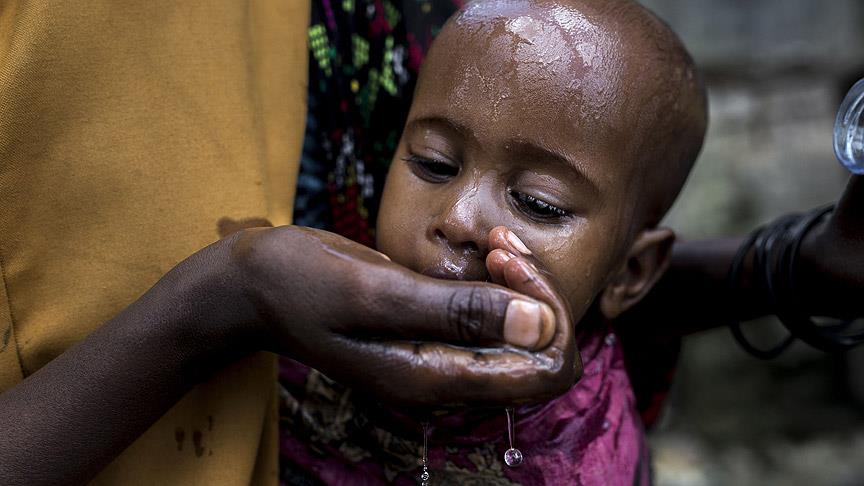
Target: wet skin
(527,121)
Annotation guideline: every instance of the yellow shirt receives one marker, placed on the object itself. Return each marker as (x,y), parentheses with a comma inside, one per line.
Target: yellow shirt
(127,131)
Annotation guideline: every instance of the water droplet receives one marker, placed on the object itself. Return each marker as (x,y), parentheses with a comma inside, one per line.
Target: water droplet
(609,339)
(606,425)
(424,457)
(513,457)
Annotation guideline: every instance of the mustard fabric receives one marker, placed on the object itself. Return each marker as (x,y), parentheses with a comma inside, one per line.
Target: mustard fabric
(127,131)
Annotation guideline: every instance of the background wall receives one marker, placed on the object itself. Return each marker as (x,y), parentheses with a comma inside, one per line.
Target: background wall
(776,72)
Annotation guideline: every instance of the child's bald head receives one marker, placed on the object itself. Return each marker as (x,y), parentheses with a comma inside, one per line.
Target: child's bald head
(609,67)
(573,123)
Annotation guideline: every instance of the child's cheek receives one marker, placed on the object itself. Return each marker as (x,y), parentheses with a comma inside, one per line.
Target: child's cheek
(575,264)
(399,239)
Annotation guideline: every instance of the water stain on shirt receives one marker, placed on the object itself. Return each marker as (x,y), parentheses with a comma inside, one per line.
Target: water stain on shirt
(197,439)
(179,436)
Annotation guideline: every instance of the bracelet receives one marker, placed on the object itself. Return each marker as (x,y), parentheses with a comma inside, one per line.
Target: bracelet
(776,248)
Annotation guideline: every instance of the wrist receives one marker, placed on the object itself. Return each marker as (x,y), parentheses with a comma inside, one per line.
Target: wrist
(204,309)
(819,286)
(809,258)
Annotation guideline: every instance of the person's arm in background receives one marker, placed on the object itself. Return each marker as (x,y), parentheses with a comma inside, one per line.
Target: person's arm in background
(311,295)
(693,295)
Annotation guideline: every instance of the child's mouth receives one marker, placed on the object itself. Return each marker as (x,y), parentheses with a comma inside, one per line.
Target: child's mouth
(458,269)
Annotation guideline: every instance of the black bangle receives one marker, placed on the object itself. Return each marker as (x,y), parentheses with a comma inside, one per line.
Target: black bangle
(758,239)
(775,256)
(829,338)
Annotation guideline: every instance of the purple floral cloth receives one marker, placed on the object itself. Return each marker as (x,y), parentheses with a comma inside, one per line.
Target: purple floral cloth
(591,435)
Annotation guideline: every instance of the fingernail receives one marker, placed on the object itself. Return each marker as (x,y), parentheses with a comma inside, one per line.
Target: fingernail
(523,323)
(517,243)
(508,256)
(547,326)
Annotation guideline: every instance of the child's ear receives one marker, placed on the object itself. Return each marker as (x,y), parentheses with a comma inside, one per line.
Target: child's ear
(646,261)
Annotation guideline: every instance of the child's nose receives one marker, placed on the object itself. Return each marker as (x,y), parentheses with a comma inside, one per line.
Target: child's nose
(462,226)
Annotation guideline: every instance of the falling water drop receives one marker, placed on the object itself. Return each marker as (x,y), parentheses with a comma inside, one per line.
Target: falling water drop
(424,459)
(513,456)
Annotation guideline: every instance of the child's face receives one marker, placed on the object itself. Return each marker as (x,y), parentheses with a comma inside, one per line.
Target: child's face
(518,121)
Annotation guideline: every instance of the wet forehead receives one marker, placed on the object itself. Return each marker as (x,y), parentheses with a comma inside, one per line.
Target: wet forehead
(535,71)
(560,41)
(550,74)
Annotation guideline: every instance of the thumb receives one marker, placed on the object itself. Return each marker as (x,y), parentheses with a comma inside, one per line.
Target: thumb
(410,306)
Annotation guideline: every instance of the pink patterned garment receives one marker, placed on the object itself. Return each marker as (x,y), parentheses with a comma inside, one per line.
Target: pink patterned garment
(592,435)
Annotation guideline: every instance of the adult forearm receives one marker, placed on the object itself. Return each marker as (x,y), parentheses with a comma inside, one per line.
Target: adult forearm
(695,293)
(65,422)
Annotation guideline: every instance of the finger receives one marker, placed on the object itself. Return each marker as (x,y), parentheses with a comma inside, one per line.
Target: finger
(495,261)
(522,276)
(398,304)
(501,237)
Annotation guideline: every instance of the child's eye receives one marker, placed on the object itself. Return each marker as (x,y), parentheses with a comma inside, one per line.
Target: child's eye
(431,170)
(538,208)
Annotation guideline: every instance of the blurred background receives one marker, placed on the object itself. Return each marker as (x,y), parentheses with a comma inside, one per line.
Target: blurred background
(776,71)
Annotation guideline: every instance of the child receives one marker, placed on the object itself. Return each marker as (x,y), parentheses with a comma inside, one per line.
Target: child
(545,142)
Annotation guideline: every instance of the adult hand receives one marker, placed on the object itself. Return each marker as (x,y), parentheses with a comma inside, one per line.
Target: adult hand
(330,303)
(831,275)
(362,320)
